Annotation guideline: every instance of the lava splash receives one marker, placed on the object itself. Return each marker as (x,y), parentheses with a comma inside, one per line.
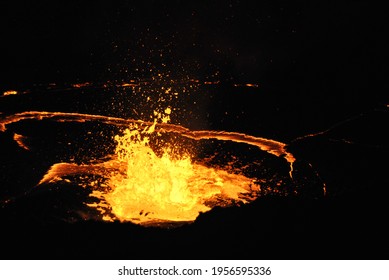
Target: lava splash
(152,177)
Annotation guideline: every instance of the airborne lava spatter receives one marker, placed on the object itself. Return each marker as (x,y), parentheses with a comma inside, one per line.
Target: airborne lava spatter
(151,188)
(143,186)
(150,179)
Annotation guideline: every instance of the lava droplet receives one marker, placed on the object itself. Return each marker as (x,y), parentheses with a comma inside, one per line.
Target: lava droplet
(151,181)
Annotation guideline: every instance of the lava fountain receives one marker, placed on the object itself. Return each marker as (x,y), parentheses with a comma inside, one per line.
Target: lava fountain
(158,172)
(166,187)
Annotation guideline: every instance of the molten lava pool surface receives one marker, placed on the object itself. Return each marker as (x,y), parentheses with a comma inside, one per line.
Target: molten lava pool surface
(188,129)
(151,171)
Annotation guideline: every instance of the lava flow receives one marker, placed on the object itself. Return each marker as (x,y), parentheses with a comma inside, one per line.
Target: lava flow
(149,181)
(154,174)
(151,188)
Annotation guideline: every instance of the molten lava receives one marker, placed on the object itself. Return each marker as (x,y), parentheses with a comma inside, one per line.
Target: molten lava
(149,179)
(149,188)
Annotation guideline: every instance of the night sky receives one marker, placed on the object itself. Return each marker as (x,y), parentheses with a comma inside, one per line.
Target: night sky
(317,64)
(302,54)
(312,49)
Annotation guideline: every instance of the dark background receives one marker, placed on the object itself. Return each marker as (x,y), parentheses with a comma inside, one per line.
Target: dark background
(319,62)
(316,64)
(316,50)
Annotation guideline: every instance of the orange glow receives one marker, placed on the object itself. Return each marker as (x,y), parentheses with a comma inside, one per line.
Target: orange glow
(151,185)
(10,92)
(271,146)
(129,85)
(247,85)
(252,85)
(151,188)
(211,83)
(81,85)
(20,140)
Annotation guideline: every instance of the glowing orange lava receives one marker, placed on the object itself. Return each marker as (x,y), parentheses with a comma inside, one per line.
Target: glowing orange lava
(10,92)
(145,186)
(150,188)
(247,85)
(20,140)
(81,85)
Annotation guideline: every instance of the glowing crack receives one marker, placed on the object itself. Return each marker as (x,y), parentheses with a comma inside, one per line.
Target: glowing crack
(136,184)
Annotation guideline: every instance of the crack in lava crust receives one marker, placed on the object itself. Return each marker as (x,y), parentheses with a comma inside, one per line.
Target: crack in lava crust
(271,146)
(140,186)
